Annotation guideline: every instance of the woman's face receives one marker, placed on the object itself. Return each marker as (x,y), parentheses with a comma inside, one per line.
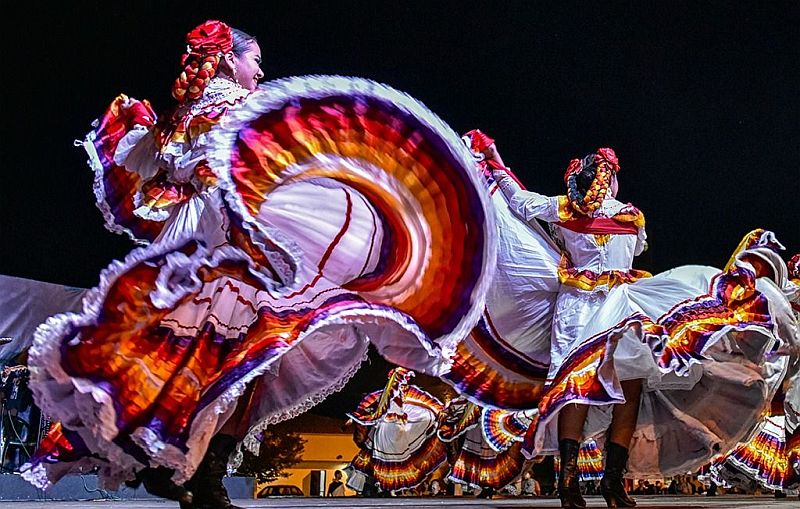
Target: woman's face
(248,66)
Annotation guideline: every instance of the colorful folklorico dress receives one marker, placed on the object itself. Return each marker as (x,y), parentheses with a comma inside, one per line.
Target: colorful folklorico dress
(791,402)
(567,324)
(763,459)
(283,231)
(484,445)
(396,432)
(590,462)
(770,456)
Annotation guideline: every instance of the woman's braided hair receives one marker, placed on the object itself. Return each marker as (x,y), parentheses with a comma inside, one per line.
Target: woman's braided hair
(206,44)
(588,180)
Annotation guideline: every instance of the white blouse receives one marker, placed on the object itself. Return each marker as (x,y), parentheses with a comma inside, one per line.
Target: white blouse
(596,253)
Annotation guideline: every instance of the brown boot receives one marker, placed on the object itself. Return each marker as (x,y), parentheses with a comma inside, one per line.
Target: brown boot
(569,490)
(611,486)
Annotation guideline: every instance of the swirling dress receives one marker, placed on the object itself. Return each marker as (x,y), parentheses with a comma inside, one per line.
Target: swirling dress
(484,444)
(283,231)
(396,432)
(771,454)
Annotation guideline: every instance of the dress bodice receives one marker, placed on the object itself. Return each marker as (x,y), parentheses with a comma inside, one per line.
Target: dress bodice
(599,253)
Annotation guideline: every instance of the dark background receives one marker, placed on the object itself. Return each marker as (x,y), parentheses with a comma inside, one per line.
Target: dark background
(699,99)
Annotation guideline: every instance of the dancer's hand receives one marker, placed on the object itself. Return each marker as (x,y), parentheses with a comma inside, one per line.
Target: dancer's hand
(492,154)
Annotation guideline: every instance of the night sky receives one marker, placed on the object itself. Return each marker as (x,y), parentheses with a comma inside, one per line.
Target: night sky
(700,102)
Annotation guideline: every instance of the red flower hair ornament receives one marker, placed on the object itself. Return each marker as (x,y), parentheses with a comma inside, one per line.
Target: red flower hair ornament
(608,155)
(602,155)
(210,38)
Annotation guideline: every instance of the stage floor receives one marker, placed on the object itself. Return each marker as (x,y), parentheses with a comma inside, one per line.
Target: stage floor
(723,501)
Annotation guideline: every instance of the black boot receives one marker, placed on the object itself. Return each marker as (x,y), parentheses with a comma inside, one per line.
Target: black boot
(206,484)
(569,490)
(612,487)
(157,481)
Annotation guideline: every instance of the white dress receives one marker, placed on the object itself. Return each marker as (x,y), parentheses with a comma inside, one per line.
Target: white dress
(396,432)
(568,328)
(590,254)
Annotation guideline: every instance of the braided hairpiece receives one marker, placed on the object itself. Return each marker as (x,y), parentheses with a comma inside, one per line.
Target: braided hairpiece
(607,165)
(206,45)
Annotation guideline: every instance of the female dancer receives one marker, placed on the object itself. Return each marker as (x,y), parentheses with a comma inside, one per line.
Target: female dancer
(284,230)
(591,348)
(601,235)
(395,428)
(484,445)
(771,457)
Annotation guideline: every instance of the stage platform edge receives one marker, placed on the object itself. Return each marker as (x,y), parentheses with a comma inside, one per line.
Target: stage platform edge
(84,487)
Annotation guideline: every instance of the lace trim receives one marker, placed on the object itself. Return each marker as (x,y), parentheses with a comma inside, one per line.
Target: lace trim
(87,407)
(251,442)
(219,92)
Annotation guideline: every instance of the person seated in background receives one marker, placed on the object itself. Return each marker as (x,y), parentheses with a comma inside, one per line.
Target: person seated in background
(672,489)
(436,488)
(529,485)
(336,487)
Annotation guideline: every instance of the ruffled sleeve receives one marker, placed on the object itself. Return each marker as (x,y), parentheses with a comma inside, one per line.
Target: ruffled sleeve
(137,152)
(123,127)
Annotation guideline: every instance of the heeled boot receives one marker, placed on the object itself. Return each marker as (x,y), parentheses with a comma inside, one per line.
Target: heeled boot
(158,481)
(206,483)
(611,486)
(569,490)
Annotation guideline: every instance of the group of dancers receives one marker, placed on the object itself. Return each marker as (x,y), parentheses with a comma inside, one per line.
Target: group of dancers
(409,439)
(286,227)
